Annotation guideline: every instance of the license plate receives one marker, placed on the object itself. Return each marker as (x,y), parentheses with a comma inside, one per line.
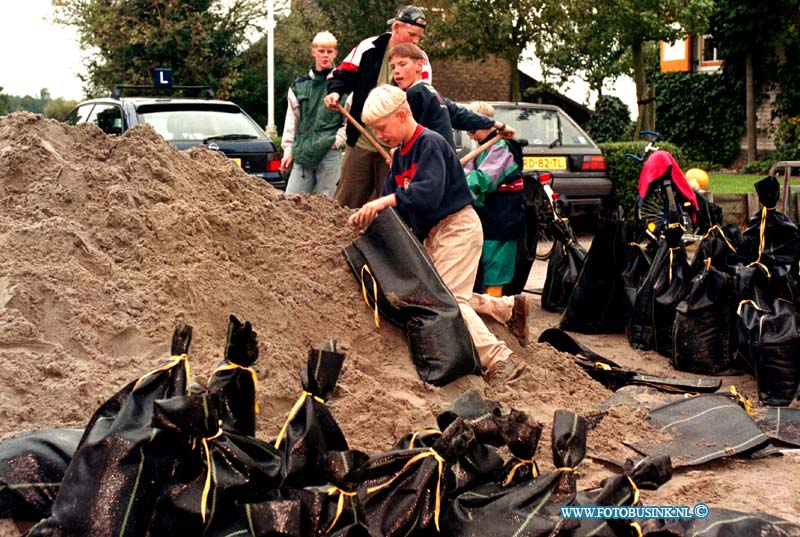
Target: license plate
(544,163)
(238,161)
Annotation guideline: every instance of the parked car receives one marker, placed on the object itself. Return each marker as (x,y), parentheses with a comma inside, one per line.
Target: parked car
(189,122)
(555,143)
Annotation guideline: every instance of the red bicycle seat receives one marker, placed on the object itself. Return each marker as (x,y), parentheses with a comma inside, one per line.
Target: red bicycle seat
(657,167)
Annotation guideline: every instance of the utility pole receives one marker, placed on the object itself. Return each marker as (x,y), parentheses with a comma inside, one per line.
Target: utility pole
(271,130)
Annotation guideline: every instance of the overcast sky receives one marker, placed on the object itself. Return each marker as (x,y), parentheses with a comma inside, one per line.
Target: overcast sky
(37,53)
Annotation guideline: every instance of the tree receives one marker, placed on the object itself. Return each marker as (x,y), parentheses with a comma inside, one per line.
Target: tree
(751,36)
(198,39)
(477,29)
(613,26)
(58,108)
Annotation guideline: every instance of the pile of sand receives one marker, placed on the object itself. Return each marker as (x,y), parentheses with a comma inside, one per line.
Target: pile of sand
(106,241)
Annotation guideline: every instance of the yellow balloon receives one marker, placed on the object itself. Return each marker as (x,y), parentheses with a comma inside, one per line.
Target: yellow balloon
(698,175)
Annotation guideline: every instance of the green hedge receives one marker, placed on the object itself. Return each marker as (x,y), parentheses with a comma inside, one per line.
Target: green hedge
(624,171)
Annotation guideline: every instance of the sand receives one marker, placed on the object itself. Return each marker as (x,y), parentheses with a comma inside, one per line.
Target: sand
(106,242)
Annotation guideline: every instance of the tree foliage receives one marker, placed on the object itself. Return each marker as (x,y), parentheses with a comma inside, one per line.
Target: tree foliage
(587,38)
(44,104)
(478,29)
(199,39)
(611,120)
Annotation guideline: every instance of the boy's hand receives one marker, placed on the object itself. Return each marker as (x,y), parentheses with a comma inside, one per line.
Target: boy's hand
(285,163)
(365,215)
(331,100)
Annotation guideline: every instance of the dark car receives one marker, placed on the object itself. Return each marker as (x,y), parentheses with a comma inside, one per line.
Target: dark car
(555,144)
(184,122)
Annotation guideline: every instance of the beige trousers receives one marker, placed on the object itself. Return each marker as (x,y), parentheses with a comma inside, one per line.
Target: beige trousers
(454,246)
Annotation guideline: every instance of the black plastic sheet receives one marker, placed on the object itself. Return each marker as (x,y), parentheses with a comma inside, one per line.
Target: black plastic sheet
(722,522)
(399,281)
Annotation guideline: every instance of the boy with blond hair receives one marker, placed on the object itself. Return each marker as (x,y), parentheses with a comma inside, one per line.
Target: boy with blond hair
(313,135)
(426,184)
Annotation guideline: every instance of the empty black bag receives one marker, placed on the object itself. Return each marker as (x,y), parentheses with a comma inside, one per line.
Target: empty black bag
(399,281)
(595,305)
(775,352)
(563,267)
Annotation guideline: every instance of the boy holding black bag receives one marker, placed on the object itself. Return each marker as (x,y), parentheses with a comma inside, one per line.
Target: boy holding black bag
(427,185)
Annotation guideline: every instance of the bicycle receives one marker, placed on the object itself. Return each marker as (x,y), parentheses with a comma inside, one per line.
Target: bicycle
(543,204)
(665,197)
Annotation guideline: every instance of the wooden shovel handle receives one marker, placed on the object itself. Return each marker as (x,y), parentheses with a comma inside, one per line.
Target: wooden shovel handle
(364,133)
(475,152)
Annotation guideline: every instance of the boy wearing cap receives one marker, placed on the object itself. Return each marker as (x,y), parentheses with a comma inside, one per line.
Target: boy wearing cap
(313,135)
(365,67)
(428,187)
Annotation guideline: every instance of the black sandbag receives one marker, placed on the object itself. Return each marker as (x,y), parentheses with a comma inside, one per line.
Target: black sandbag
(775,351)
(32,466)
(745,332)
(702,428)
(647,474)
(702,331)
(720,247)
(612,376)
(389,261)
(721,522)
(650,325)
(708,213)
(122,463)
(637,264)
(234,382)
(310,430)
(406,491)
(531,507)
(218,470)
(771,237)
(563,267)
(312,511)
(596,303)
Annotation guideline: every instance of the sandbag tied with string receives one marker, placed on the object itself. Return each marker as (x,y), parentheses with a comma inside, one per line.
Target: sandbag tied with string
(529,508)
(407,491)
(316,510)
(521,434)
(721,247)
(650,326)
(638,259)
(310,431)
(235,382)
(563,268)
(771,238)
(648,473)
(32,466)
(122,462)
(769,338)
(399,282)
(219,469)
(703,329)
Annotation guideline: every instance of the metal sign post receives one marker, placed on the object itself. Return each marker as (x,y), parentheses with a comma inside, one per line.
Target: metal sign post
(271,130)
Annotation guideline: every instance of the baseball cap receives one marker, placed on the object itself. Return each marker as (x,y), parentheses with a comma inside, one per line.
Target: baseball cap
(409,15)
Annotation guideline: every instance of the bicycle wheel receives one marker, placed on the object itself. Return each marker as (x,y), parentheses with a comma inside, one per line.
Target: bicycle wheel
(654,212)
(544,212)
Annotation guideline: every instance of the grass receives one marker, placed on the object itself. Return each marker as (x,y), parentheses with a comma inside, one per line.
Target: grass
(732,183)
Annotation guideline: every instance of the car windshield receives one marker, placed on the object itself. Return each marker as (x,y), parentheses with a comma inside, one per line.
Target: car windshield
(200,125)
(540,126)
